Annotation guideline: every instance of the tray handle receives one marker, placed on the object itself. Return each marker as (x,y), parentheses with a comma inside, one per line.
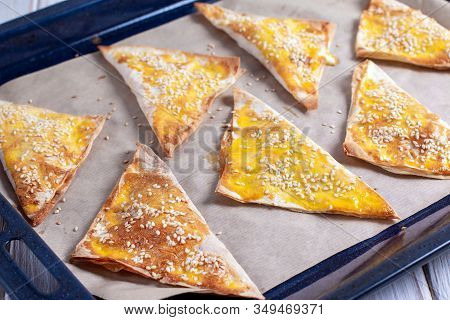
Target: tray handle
(16,283)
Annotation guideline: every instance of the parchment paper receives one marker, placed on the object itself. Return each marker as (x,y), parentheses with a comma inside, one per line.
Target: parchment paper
(271,244)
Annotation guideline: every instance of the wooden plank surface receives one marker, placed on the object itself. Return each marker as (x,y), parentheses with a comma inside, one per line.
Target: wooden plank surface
(438,277)
(411,286)
(430,282)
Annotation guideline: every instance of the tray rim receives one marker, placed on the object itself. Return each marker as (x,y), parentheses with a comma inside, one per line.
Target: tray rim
(173,9)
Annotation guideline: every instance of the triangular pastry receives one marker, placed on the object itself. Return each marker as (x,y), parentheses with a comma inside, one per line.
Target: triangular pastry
(41,151)
(174,88)
(389,128)
(391,30)
(295,51)
(149,226)
(267,160)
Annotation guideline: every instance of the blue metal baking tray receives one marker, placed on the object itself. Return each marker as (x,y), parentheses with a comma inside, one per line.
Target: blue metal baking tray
(75,27)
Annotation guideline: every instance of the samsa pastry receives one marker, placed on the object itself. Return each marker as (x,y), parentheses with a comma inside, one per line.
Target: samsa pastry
(265,159)
(295,51)
(41,151)
(174,89)
(390,30)
(149,226)
(389,128)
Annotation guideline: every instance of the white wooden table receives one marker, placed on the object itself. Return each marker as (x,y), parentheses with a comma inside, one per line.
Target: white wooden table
(431,281)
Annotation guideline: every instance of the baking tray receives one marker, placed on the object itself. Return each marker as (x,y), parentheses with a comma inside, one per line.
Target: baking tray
(75,27)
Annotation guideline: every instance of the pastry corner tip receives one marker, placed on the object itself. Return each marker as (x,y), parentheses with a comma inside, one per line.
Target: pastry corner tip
(104,49)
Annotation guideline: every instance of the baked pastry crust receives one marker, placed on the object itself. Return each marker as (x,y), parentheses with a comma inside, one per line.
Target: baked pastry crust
(267,160)
(389,128)
(41,151)
(295,51)
(174,89)
(149,226)
(390,30)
